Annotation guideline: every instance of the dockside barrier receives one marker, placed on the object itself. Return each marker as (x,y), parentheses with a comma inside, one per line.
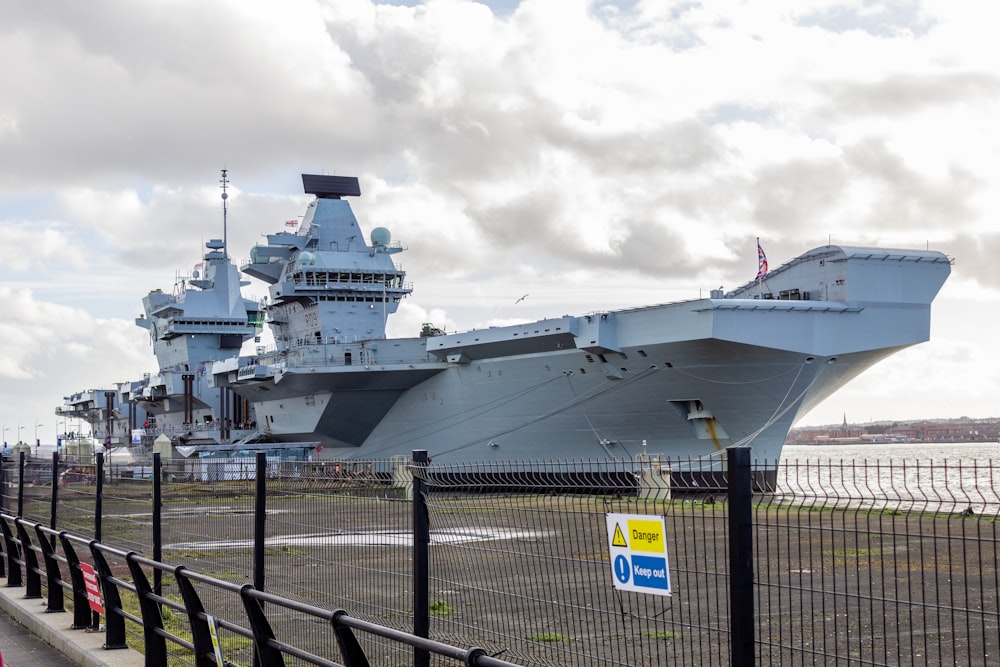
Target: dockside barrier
(21,558)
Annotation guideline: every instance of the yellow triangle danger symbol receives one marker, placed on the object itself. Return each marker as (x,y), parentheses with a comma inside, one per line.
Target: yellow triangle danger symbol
(619,539)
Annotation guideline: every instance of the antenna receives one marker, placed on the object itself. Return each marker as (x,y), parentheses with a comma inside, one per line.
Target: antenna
(225,209)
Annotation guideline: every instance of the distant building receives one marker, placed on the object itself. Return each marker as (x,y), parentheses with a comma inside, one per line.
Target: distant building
(962,429)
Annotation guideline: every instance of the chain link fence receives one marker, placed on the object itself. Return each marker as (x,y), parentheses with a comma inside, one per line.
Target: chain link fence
(860,563)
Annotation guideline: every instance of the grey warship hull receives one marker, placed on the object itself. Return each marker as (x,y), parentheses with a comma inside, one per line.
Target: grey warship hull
(682,380)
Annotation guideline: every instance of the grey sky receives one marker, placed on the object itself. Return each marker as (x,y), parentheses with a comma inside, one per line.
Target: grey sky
(595,154)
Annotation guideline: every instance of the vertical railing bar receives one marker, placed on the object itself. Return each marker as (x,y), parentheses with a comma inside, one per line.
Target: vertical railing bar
(157,523)
(54,597)
(20,483)
(350,648)
(204,650)
(95,620)
(741,610)
(259,532)
(262,632)
(32,580)
(421,541)
(3,494)
(13,555)
(114,637)
(81,605)
(152,618)
(54,503)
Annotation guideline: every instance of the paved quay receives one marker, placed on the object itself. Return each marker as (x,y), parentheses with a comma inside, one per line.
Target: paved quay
(30,637)
(20,648)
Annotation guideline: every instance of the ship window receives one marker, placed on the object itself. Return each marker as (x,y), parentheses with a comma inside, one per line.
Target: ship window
(624,356)
(347,358)
(642,353)
(583,371)
(590,358)
(602,358)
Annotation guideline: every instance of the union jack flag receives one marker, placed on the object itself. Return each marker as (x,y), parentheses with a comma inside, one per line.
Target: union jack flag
(761,262)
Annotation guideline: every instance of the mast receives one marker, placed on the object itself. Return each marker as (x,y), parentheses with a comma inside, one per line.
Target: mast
(225,208)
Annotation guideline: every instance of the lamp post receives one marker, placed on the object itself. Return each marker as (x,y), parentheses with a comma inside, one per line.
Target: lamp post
(4,437)
(19,427)
(37,442)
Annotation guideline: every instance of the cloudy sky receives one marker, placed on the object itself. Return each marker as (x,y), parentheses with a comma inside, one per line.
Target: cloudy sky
(593,154)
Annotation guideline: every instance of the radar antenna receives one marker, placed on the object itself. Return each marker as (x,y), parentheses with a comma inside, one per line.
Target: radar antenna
(225,209)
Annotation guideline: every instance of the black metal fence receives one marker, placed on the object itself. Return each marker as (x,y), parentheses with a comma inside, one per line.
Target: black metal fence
(851,563)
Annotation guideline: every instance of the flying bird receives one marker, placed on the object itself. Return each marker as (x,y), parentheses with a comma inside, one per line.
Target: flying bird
(521,299)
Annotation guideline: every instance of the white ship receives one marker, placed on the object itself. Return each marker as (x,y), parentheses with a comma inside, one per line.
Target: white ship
(681,380)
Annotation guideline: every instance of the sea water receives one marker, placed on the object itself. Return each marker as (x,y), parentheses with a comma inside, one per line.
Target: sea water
(926,477)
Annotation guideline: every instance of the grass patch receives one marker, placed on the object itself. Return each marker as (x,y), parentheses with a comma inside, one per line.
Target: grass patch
(663,634)
(441,608)
(549,637)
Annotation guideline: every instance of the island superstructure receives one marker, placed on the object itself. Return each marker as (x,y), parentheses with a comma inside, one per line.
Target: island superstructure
(203,319)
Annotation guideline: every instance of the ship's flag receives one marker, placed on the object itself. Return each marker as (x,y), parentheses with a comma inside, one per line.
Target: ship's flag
(761,262)
(291,223)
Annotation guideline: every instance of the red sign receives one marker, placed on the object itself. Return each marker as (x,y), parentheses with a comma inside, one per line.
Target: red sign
(93,590)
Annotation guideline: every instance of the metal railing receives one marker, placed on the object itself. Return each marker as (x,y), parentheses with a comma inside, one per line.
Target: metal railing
(862,563)
(201,640)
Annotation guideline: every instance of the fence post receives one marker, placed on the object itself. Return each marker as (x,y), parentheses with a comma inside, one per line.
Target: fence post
(259,518)
(157,523)
(741,610)
(99,496)
(98,513)
(259,534)
(54,503)
(421,540)
(3,494)
(20,484)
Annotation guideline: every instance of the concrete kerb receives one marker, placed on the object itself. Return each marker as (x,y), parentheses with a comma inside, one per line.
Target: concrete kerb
(79,646)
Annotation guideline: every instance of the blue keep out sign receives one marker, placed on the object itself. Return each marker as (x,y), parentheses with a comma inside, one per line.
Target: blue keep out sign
(637,544)
(622,569)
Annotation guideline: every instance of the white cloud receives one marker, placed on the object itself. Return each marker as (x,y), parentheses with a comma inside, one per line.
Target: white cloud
(596,155)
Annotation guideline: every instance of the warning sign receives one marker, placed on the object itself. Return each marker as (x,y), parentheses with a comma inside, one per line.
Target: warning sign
(619,539)
(93,590)
(638,546)
(213,631)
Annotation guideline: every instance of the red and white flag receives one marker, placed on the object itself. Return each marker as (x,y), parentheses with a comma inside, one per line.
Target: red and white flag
(761,262)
